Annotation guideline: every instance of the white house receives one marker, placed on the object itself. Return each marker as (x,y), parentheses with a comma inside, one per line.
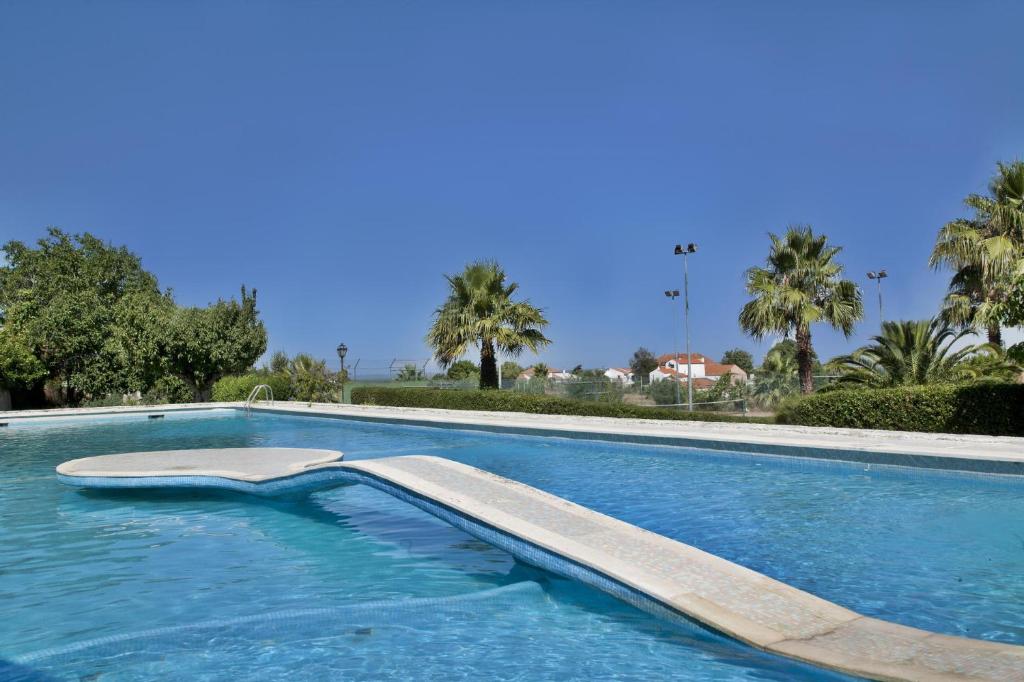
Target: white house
(697,361)
(620,374)
(662,373)
(553,374)
(705,371)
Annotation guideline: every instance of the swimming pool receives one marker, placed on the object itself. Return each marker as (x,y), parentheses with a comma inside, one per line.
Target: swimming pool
(235,578)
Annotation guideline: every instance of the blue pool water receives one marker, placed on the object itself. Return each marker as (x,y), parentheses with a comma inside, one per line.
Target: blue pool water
(350,583)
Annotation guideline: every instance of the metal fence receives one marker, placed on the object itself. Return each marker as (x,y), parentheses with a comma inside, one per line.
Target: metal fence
(759,395)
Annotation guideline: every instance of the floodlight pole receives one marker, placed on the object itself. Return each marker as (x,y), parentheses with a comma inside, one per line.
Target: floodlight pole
(673,295)
(878,277)
(680,251)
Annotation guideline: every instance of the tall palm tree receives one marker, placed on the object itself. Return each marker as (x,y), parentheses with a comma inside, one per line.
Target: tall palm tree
(985,253)
(800,285)
(910,353)
(480,312)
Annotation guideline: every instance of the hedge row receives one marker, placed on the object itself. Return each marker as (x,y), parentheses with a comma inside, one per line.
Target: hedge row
(234,388)
(995,409)
(510,401)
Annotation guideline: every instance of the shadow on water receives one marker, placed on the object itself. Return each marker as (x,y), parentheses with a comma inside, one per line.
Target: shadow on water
(412,530)
(408,530)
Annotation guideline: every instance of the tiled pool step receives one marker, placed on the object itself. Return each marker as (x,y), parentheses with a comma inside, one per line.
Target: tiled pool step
(648,570)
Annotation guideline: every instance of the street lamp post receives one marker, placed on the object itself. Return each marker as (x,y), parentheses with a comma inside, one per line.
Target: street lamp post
(673,294)
(680,251)
(879,276)
(342,350)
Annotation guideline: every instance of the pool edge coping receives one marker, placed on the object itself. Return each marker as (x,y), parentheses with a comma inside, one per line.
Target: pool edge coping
(997,455)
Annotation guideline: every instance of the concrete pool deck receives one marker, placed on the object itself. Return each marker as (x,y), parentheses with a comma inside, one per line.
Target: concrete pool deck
(641,567)
(254,465)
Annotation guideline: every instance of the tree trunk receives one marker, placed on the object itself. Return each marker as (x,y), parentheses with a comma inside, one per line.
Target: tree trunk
(195,387)
(803,359)
(995,335)
(488,366)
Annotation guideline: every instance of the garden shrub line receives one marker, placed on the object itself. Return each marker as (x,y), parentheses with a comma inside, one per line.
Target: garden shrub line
(234,388)
(989,408)
(509,401)
(994,409)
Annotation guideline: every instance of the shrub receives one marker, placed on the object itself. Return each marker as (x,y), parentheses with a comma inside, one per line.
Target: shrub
(169,389)
(234,388)
(667,393)
(982,408)
(106,401)
(599,389)
(509,401)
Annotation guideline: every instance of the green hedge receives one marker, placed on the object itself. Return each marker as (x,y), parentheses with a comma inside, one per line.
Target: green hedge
(233,388)
(995,409)
(510,401)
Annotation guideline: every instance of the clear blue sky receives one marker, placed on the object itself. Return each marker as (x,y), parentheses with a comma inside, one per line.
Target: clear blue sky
(341,156)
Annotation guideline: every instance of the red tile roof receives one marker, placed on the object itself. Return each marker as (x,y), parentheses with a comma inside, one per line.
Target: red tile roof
(715,369)
(695,358)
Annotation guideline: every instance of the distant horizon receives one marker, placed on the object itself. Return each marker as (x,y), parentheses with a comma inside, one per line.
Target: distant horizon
(341,159)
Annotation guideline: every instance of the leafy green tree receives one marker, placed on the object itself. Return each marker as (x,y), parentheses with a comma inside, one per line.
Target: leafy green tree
(800,285)
(311,380)
(63,299)
(643,363)
(740,358)
(480,312)
(510,370)
(540,371)
(664,392)
(279,363)
(911,353)
(463,369)
(19,368)
(985,253)
(201,345)
(170,389)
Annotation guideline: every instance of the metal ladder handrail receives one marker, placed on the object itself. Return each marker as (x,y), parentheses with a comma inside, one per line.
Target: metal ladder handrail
(255,391)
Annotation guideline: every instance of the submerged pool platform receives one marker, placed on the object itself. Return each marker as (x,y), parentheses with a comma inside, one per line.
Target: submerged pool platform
(662,576)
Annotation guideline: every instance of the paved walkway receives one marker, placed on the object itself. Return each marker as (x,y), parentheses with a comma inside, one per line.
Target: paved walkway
(744,604)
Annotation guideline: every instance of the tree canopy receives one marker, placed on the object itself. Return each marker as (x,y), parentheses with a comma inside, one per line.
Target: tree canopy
(97,323)
(643,363)
(740,358)
(201,345)
(510,370)
(986,254)
(463,369)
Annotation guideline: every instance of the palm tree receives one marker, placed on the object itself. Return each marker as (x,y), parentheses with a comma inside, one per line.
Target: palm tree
(311,380)
(800,285)
(985,253)
(910,353)
(777,378)
(480,312)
